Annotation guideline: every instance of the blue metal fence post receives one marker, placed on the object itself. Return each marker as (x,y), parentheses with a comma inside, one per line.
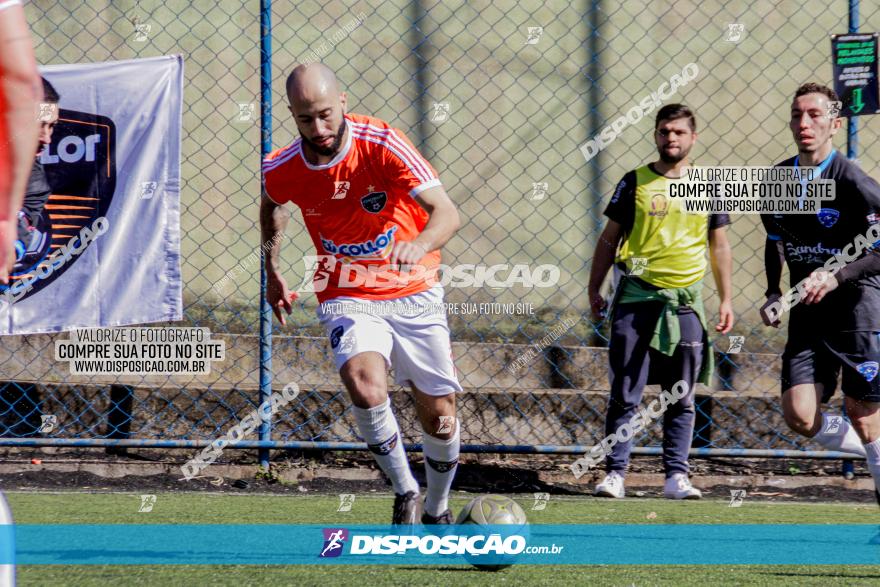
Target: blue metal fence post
(852,148)
(265,148)
(852,125)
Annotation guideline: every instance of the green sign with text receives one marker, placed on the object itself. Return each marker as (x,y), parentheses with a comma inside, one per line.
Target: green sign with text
(854,58)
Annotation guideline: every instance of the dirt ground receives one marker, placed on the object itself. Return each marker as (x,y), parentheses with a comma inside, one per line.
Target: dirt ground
(477,473)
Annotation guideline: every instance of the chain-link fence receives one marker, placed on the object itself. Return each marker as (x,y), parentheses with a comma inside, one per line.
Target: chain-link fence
(499,97)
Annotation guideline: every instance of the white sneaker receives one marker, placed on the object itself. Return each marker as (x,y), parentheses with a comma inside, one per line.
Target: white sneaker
(679,487)
(611,486)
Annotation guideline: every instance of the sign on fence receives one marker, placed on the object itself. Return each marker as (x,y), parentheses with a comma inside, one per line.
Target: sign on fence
(111,224)
(854,58)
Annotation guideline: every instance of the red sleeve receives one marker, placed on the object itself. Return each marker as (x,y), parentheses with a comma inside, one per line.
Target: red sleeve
(271,186)
(405,166)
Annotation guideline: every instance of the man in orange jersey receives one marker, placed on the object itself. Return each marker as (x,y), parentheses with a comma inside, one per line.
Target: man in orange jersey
(19,93)
(378,216)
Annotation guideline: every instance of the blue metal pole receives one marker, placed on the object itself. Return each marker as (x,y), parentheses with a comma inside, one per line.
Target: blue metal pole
(265,148)
(852,125)
(852,152)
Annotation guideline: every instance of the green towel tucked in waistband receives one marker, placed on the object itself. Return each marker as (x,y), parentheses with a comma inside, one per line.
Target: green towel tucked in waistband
(667,331)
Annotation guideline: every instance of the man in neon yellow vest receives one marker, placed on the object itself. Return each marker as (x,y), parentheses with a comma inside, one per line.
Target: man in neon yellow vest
(658,327)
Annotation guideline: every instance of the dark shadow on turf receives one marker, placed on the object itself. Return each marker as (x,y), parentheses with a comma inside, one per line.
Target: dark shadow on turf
(460,568)
(835,575)
(476,478)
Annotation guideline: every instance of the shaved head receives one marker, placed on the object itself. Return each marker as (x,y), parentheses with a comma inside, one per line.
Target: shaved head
(318,107)
(310,81)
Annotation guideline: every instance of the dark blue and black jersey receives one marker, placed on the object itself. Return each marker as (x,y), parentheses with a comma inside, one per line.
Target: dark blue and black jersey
(809,240)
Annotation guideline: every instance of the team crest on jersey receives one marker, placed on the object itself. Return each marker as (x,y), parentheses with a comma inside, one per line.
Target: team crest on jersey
(828,217)
(374,202)
(873,218)
(868,369)
(658,206)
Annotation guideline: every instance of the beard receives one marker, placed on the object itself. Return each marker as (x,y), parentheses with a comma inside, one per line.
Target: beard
(334,146)
(673,159)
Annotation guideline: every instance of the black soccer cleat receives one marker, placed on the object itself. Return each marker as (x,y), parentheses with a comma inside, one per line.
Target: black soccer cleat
(443,518)
(407,508)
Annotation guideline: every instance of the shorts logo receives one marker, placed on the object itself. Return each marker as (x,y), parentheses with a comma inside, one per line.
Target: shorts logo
(384,448)
(374,202)
(335,336)
(833,425)
(828,217)
(868,369)
(441,466)
(334,540)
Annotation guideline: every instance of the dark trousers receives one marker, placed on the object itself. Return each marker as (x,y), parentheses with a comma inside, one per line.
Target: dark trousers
(634,364)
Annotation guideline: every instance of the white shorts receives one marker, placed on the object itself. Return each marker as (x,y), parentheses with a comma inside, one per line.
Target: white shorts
(410,332)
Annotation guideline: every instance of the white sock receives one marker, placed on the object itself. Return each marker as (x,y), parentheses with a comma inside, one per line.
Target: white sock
(838,434)
(441,462)
(872,456)
(379,430)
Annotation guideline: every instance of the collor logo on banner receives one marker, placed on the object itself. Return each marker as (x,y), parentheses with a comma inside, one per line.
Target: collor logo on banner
(80,166)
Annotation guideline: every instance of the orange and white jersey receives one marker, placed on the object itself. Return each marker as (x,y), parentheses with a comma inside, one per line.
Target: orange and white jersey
(4,4)
(357,206)
(6,157)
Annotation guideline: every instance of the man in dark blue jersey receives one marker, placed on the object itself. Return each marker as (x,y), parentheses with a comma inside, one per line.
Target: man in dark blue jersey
(835,323)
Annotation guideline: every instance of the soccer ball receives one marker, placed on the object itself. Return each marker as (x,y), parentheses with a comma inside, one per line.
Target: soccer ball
(489,510)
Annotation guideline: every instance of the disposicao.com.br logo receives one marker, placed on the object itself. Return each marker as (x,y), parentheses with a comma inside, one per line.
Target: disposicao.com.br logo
(397,544)
(334,540)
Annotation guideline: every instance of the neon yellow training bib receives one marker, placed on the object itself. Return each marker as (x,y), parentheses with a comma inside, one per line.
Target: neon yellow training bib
(671,242)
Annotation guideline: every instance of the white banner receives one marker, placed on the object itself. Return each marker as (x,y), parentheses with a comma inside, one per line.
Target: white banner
(112,221)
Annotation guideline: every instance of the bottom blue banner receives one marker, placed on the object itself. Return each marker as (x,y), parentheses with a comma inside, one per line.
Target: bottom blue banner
(150,544)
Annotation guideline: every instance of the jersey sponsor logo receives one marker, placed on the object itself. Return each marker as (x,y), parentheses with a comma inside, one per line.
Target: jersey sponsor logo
(384,448)
(80,167)
(620,187)
(377,247)
(659,206)
(336,336)
(868,369)
(809,254)
(374,202)
(340,190)
(828,217)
